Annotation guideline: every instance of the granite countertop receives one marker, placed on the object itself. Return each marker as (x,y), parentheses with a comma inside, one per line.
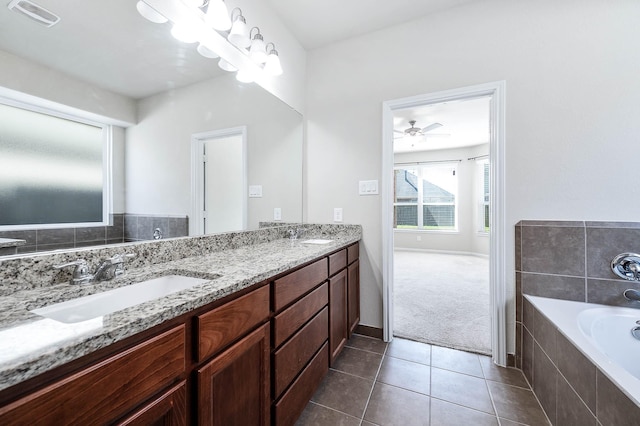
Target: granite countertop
(11,242)
(31,344)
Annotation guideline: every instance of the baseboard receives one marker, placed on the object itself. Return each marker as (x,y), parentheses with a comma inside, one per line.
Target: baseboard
(511,360)
(369,331)
(461,253)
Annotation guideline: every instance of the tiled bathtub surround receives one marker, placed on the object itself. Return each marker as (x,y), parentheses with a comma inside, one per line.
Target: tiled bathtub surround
(564,260)
(571,389)
(66,238)
(140,227)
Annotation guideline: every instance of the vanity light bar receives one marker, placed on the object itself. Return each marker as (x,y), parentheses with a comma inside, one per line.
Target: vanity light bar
(181,15)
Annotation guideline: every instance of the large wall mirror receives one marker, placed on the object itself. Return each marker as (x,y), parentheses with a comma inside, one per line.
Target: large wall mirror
(105,59)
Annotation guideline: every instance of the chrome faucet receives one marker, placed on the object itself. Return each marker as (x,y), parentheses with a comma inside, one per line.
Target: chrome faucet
(108,269)
(632,294)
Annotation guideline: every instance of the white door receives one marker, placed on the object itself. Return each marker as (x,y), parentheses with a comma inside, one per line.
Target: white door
(223,184)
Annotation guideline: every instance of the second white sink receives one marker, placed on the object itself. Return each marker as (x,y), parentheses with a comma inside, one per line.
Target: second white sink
(96,305)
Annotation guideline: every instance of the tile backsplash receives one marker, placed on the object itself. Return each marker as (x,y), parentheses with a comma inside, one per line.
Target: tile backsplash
(570,260)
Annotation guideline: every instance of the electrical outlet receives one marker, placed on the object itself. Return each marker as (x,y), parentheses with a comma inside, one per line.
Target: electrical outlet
(277,213)
(337,214)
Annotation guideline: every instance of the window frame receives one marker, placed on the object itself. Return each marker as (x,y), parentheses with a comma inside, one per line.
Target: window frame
(484,198)
(42,106)
(420,167)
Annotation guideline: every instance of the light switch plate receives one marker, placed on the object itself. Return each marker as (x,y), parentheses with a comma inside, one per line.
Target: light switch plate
(255,191)
(277,213)
(368,187)
(337,214)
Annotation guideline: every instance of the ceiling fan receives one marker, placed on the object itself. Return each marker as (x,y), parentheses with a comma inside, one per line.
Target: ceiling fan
(417,131)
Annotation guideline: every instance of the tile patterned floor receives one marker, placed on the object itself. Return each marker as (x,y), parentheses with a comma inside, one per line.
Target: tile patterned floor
(409,383)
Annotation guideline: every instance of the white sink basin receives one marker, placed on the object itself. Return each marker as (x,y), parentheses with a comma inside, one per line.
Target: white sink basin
(316,241)
(97,305)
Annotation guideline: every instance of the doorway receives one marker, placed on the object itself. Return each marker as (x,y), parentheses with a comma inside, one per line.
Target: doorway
(494,95)
(219,181)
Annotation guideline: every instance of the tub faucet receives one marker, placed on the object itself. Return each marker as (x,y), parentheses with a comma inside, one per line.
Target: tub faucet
(632,294)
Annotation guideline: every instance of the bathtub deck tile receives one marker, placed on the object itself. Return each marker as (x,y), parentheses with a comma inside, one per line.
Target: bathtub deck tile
(578,370)
(613,407)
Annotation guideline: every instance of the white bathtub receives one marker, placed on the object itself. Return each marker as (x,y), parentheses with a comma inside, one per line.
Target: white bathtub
(603,334)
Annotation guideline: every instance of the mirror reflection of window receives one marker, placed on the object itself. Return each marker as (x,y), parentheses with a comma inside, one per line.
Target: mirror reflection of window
(51,169)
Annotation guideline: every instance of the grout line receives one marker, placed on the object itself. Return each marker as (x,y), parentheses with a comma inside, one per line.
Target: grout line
(493,404)
(373,385)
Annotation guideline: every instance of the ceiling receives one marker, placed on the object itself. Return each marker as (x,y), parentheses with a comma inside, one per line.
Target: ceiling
(108,44)
(318,23)
(464,123)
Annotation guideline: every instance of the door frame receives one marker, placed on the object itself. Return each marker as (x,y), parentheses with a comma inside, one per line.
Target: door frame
(196,221)
(497,245)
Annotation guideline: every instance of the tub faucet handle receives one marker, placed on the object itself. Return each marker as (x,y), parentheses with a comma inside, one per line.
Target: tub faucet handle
(627,266)
(632,294)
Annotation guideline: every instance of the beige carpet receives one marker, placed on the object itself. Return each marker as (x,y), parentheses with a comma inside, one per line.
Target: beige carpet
(442,299)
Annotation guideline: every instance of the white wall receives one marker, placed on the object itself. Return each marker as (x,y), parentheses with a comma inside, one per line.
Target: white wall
(37,80)
(290,86)
(158,148)
(573,101)
(466,239)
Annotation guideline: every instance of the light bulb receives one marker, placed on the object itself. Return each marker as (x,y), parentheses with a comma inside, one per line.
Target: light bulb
(272,66)
(226,65)
(149,13)
(244,76)
(184,33)
(257,52)
(206,52)
(239,35)
(218,16)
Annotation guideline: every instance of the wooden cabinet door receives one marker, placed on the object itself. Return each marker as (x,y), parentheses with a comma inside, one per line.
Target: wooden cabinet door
(353,296)
(170,409)
(233,388)
(338,327)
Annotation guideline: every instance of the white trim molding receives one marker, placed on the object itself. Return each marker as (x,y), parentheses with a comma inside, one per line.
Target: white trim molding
(497,245)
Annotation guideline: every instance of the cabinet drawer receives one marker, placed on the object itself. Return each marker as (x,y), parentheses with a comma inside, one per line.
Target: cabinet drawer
(225,324)
(337,261)
(353,253)
(168,409)
(289,360)
(107,390)
(292,286)
(292,403)
(290,320)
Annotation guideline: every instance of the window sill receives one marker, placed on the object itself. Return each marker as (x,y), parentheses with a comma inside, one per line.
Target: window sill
(427,231)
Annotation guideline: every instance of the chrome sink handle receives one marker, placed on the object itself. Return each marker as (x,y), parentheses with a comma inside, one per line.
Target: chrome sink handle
(81,274)
(627,266)
(112,267)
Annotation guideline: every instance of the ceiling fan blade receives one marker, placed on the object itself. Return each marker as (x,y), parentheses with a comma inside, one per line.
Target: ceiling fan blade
(399,131)
(431,127)
(437,135)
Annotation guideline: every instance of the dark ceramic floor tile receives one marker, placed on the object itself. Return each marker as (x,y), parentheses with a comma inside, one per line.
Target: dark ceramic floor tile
(455,360)
(405,374)
(343,392)
(505,422)
(410,350)
(390,405)
(461,389)
(317,415)
(447,414)
(510,376)
(358,362)
(367,344)
(517,404)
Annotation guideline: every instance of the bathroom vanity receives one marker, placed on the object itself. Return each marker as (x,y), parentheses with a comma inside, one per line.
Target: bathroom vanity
(247,347)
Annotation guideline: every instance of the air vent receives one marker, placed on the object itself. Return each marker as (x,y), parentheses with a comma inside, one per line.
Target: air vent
(33,11)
